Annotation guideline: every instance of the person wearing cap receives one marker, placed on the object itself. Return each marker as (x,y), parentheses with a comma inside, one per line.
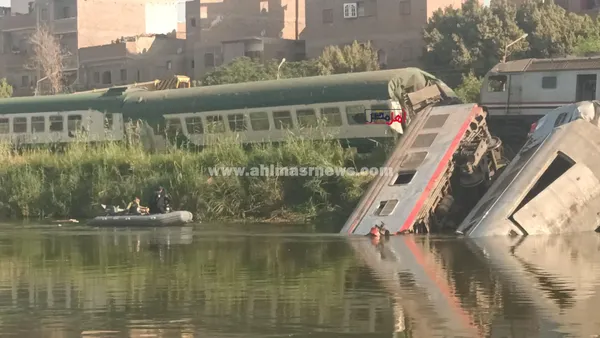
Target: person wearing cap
(134,207)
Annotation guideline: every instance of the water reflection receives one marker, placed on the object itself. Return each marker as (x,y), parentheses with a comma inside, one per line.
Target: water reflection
(536,286)
(186,282)
(177,282)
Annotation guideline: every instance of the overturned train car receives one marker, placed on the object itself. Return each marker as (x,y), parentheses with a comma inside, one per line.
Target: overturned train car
(445,163)
(551,187)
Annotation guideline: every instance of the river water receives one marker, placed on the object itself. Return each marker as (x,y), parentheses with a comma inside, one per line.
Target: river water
(283,281)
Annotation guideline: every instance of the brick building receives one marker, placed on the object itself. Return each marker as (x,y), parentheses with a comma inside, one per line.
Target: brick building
(394,27)
(78,24)
(219,30)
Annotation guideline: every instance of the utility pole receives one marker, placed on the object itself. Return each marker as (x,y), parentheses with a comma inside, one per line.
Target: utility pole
(512,43)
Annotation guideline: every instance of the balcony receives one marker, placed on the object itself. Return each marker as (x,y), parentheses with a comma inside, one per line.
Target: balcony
(18,22)
(16,61)
(64,26)
(70,62)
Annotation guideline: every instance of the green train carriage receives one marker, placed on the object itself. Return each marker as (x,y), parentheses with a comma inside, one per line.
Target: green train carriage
(254,111)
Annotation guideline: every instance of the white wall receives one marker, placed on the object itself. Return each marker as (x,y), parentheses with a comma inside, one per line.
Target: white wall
(161,16)
(20,6)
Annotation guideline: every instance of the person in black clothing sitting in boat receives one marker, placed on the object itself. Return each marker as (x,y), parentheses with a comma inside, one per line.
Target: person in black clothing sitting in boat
(134,207)
(159,204)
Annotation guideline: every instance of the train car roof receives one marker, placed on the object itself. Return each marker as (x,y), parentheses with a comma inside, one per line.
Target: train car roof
(381,85)
(541,65)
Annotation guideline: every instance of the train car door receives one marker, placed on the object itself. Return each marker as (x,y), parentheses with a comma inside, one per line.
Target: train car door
(515,94)
(586,87)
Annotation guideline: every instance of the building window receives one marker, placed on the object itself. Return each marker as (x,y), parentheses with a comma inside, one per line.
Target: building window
(350,10)
(549,82)
(405,7)
(44,14)
(193,64)
(66,13)
(123,74)
(360,8)
(203,12)
(138,76)
(264,7)
(169,65)
(96,77)
(193,22)
(328,16)
(24,81)
(106,77)
(253,54)
(209,60)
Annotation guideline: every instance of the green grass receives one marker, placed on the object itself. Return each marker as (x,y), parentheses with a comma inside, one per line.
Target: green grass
(39,183)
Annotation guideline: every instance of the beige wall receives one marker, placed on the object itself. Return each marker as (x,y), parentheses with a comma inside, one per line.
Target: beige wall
(394,26)
(146,58)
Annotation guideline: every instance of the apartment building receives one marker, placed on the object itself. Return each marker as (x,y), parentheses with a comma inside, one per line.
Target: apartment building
(132,59)
(78,24)
(394,27)
(218,31)
(590,7)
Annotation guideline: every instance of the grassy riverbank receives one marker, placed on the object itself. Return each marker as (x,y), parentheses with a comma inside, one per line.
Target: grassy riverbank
(40,183)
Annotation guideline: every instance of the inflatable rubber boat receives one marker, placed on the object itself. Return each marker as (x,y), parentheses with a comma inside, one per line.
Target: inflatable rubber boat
(117,219)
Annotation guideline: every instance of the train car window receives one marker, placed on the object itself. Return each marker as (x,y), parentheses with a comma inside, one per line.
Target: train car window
(497,83)
(379,106)
(549,82)
(4,126)
(215,124)
(38,124)
(306,118)
(332,116)
(237,122)
(194,125)
(259,120)
(19,125)
(74,122)
(108,121)
(560,119)
(282,119)
(173,126)
(356,114)
(56,123)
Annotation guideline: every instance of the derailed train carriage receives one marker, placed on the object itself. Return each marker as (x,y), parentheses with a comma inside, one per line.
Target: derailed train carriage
(254,112)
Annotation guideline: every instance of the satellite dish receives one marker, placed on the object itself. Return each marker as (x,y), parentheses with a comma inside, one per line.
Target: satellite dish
(263,32)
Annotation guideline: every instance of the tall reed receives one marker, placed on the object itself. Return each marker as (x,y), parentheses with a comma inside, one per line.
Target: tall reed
(72,183)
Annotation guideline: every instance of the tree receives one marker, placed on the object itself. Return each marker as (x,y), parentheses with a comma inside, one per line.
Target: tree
(469,89)
(470,38)
(6,90)
(587,47)
(333,60)
(474,37)
(244,69)
(348,59)
(48,57)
